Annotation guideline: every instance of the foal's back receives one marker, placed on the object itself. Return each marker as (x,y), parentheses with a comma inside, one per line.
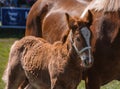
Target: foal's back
(36,57)
(30,54)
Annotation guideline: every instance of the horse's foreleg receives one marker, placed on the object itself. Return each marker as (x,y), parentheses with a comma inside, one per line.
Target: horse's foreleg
(14,73)
(29,87)
(15,77)
(23,84)
(92,81)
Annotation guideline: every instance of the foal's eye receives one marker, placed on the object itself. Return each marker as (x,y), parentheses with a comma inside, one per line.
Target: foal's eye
(78,39)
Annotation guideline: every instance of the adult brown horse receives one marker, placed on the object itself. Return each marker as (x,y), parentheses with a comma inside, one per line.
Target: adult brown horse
(50,66)
(106,38)
(106,30)
(42,8)
(46,15)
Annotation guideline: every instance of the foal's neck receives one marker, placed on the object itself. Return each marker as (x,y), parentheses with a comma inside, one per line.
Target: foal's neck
(69,46)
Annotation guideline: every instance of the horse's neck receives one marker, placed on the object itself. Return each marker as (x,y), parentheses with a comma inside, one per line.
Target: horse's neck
(69,45)
(72,54)
(68,40)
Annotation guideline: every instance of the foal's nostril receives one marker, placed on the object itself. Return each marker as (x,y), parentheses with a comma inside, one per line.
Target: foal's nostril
(87,60)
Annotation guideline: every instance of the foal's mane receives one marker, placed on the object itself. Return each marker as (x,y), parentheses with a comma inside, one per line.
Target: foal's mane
(105,5)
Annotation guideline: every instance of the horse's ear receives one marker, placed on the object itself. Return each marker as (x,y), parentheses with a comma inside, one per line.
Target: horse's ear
(70,21)
(68,18)
(88,18)
(64,36)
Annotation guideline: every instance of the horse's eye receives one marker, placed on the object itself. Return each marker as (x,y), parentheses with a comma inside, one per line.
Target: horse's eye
(78,39)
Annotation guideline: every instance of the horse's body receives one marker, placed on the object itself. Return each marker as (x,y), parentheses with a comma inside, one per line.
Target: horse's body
(106,31)
(50,66)
(48,14)
(31,58)
(46,18)
(105,28)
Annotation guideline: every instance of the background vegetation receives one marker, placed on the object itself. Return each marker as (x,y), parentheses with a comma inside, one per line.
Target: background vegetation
(7,38)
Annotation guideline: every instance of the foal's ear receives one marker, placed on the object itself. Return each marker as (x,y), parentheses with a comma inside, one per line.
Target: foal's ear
(64,36)
(71,22)
(88,18)
(68,18)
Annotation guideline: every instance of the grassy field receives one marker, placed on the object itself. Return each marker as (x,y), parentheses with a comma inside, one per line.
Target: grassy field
(4,52)
(7,39)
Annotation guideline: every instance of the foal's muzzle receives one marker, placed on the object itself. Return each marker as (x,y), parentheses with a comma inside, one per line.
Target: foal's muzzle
(86,56)
(87,60)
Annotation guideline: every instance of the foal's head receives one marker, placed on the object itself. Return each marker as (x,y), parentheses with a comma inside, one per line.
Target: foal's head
(80,36)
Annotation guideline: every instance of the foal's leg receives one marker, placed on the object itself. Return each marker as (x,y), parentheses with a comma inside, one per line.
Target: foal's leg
(15,77)
(24,84)
(29,87)
(15,74)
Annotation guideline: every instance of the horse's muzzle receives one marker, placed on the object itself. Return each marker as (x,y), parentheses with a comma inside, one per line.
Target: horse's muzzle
(87,61)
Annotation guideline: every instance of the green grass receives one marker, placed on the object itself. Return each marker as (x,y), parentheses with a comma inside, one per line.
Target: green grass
(7,38)
(112,85)
(5,43)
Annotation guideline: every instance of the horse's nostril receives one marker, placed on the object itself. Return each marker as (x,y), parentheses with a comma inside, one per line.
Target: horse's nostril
(87,61)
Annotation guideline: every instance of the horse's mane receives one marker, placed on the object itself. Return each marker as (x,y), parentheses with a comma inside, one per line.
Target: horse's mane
(83,1)
(105,5)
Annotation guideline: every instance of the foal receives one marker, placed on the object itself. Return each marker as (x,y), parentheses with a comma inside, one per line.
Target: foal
(49,66)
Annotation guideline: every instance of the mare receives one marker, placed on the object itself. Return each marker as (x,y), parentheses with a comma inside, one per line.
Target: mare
(106,34)
(105,40)
(46,19)
(41,11)
(50,66)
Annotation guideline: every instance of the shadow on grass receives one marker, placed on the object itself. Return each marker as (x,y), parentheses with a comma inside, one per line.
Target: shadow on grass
(12,33)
